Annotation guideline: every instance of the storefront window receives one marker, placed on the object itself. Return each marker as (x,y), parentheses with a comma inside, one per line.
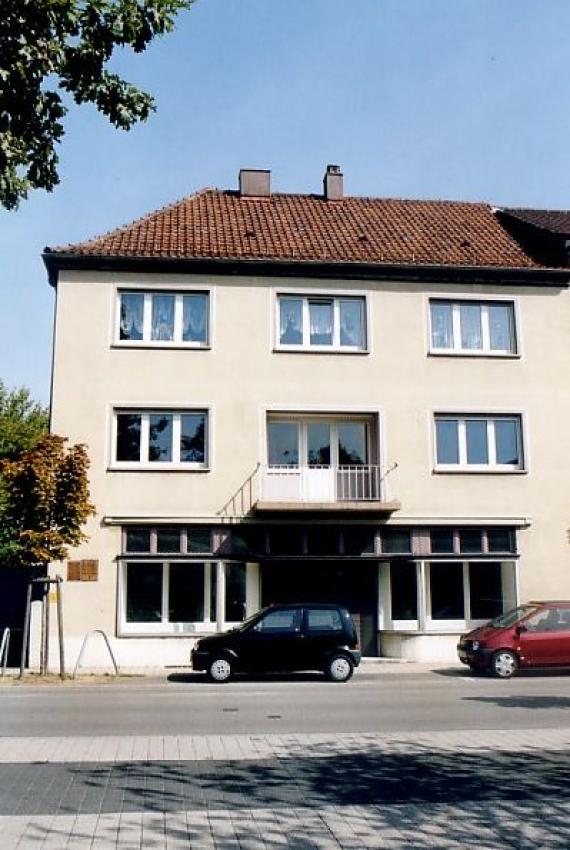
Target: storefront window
(235,593)
(404,591)
(446,591)
(442,540)
(500,540)
(470,540)
(168,540)
(137,539)
(186,593)
(144,593)
(485,590)
(395,540)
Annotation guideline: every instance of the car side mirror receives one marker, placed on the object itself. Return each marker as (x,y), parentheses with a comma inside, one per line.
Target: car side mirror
(520,629)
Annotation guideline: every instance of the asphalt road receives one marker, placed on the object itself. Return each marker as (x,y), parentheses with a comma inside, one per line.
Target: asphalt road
(405,699)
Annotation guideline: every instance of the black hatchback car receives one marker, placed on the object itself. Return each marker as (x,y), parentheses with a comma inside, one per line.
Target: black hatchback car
(283,638)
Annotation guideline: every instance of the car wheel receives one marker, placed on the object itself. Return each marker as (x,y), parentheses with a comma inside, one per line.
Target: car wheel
(339,668)
(220,670)
(504,663)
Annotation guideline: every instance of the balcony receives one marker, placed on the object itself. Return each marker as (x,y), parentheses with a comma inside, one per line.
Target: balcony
(361,488)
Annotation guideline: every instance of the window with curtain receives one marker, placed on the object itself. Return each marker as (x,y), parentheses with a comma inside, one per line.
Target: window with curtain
(472,327)
(164,318)
(321,322)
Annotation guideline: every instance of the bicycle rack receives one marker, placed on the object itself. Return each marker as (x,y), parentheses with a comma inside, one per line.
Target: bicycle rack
(84,644)
(4,647)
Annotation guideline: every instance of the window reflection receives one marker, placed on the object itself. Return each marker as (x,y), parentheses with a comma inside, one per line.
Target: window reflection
(352,443)
(128,437)
(195,318)
(160,437)
(352,323)
(132,311)
(283,443)
(319,443)
(441,325)
(291,321)
(162,317)
(321,322)
(193,438)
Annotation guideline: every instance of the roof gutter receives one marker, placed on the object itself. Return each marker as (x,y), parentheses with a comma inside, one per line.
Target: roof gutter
(60,261)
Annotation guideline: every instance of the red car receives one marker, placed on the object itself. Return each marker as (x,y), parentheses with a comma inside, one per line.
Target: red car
(533,635)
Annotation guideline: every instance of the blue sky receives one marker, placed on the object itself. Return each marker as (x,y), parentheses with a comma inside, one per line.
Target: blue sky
(465,99)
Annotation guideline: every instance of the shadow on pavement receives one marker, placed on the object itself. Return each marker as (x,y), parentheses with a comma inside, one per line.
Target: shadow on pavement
(202,678)
(462,672)
(524,701)
(417,797)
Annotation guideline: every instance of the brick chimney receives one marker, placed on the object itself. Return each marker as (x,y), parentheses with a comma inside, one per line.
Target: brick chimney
(254,183)
(332,183)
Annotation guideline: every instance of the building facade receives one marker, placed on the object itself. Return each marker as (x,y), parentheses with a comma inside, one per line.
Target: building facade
(315,397)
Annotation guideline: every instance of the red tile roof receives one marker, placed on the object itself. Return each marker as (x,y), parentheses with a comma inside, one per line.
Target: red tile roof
(554,221)
(222,224)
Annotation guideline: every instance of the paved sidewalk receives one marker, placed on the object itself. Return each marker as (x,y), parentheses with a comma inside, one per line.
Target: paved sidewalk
(439,790)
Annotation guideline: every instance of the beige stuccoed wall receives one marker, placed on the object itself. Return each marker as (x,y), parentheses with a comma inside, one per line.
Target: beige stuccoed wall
(241,376)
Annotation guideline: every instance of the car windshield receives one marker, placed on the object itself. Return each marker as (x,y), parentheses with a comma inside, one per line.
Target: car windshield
(512,617)
(242,627)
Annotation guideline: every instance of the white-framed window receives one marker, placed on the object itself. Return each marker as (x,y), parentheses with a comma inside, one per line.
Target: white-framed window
(478,442)
(321,322)
(319,441)
(163,319)
(160,439)
(456,594)
(472,327)
(170,596)
(466,592)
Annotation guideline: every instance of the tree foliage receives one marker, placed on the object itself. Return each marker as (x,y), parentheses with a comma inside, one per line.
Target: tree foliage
(47,502)
(22,421)
(46,45)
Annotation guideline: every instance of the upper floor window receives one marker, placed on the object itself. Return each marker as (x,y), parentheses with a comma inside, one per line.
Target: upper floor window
(478,442)
(160,439)
(321,322)
(164,318)
(473,327)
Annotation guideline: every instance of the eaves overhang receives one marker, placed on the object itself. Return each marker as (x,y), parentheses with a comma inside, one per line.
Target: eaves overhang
(523,276)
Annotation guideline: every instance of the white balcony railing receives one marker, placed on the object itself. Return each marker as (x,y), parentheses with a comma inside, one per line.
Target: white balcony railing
(361,483)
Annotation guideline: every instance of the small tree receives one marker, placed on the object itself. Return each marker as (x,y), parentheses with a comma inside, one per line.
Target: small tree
(66,44)
(47,502)
(22,421)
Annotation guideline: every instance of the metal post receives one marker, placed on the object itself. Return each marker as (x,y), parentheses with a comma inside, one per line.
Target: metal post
(4,650)
(26,629)
(47,604)
(43,634)
(60,628)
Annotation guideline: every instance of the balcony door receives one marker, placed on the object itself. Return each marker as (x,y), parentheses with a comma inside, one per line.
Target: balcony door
(322,450)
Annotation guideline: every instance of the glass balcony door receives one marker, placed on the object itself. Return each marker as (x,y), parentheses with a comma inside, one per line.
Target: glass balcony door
(311,453)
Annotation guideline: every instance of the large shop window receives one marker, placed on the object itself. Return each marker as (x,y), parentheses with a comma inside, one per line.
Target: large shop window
(478,443)
(472,327)
(321,322)
(457,593)
(464,592)
(404,591)
(163,319)
(172,597)
(160,439)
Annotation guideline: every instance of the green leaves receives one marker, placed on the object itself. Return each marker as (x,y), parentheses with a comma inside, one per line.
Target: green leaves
(22,421)
(66,44)
(46,502)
